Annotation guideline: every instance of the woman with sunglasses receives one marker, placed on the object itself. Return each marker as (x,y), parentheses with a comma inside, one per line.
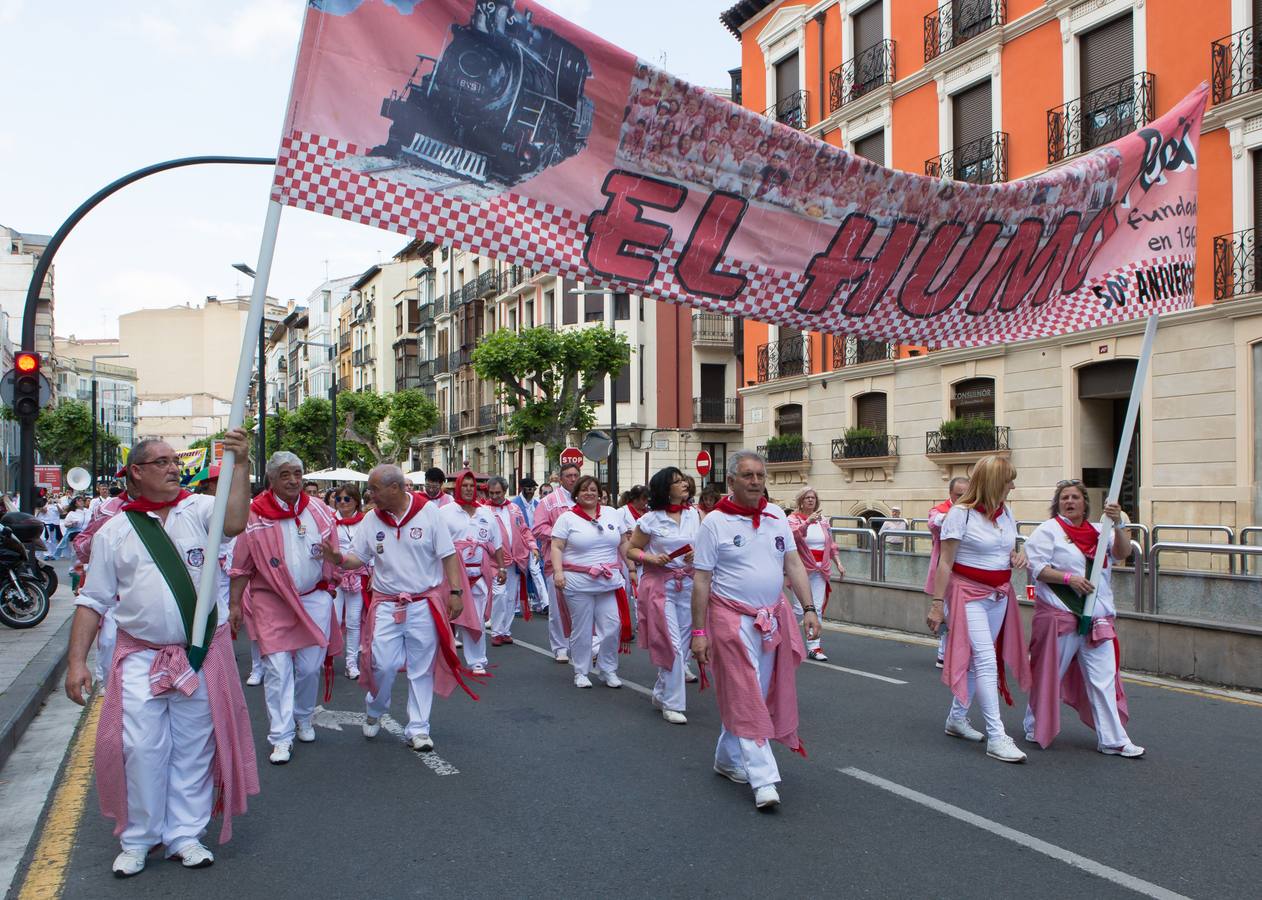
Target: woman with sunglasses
(1060,552)
(355,584)
(977,555)
(587,569)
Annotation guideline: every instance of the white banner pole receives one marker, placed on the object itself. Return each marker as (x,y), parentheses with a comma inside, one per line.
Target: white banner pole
(1119,466)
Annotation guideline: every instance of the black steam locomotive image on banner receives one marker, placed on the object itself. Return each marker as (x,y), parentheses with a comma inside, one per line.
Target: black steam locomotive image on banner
(502,102)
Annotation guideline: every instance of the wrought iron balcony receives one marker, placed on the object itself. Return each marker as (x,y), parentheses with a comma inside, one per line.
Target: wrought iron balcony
(1235,265)
(785,453)
(488,283)
(441,306)
(515,276)
(425,371)
(716,411)
(865,447)
(981,440)
(453,300)
(424,316)
(956,21)
(984,161)
(440,364)
(458,358)
(469,292)
(453,422)
(712,329)
(486,416)
(790,111)
(1236,64)
(784,359)
(357,358)
(344,343)
(1104,115)
(862,74)
(853,351)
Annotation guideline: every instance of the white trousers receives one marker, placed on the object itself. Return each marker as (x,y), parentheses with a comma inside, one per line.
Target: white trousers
(351,606)
(735,752)
(818,585)
(291,679)
(540,583)
(668,691)
(943,630)
(105,639)
(475,647)
(556,631)
(168,747)
(504,602)
(598,610)
(256,659)
(1099,668)
(412,643)
(985,618)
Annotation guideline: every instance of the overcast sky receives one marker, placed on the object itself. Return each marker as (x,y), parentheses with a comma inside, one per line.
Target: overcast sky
(95,90)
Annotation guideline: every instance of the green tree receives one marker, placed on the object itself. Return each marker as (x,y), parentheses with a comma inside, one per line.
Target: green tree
(546,376)
(63,436)
(248,425)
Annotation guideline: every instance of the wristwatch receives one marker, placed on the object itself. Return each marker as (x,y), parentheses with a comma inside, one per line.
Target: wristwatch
(457,590)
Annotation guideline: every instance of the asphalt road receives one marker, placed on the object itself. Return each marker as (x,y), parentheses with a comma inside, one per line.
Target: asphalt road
(567,793)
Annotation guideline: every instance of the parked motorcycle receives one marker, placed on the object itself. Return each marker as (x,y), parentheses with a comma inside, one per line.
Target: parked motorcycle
(23,582)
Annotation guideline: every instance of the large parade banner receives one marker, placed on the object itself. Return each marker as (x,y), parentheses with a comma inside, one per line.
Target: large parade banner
(497,127)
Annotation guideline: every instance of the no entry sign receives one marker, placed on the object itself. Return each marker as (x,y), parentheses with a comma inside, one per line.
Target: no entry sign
(704,462)
(571,455)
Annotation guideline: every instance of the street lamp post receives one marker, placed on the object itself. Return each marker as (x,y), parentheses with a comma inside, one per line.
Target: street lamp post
(261,424)
(608,317)
(95,357)
(332,348)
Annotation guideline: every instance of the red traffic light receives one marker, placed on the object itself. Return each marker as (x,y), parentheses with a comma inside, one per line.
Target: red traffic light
(26,363)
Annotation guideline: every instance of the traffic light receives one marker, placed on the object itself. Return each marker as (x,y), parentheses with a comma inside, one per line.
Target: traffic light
(26,384)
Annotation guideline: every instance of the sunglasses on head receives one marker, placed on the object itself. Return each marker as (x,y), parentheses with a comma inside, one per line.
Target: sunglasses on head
(1068,482)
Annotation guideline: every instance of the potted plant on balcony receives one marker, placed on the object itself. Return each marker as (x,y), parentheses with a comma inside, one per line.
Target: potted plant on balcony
(784,448)
(861,442)
(966,435)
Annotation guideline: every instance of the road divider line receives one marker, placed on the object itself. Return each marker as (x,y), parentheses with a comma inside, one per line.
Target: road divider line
(1060,854)
(334,719)
(859,672)
(638,688)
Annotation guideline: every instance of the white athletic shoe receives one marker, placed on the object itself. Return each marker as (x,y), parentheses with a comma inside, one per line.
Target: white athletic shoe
(422,743)
(1129,751)
(255,679)
(582,681)
(478,669)
(611,679)
(371,727)
(352,672)
(562,656)
(960,728)
(690,677)
(196,856)
(674,717)
(306,732)
(129,863)
(281,753)
(459,643)
(1004,749)
(739,776)
(766,797)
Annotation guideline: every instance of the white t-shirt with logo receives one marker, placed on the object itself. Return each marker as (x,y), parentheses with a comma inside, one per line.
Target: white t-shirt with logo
(406,560)
(984,544)
(480,527)
(747,564)
(591,544)
(666,535)
(303,556)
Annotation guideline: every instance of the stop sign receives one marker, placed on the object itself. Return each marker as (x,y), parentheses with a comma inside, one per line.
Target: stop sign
(704,463)
(571,455)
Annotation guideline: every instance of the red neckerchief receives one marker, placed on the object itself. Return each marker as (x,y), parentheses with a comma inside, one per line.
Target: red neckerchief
(994,517)
(728,505)
(635,513)
(1083,536)
(145,505)
(494,505)
(268,506)
(460,479)
(418,503)
(582,513)
(678,507)
(944,507)
(353,520)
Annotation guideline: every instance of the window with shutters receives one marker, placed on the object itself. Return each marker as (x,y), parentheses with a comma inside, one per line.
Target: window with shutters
(569,307)
(789,419)
(622,307)
(869,411)
(1107,82)
(973,145)
(869,42)
(790,107)
(872,147)
(974,398)
(594,308)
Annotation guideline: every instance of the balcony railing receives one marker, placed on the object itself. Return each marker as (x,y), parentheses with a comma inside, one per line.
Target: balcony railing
(866,447)
(791,453)
(424,316)
(955,22)
(790,111)
(344,383)
(440,364)
(488,283)
(1104,115)
(1235,264)
(711,329)
(453,422)
(784,359)
(977,442)
(983,161)
(441,306)
(458,358)
(864,73)
(486,416)
(855,351)
(344,343)
(1236,64)
(357,358)
(716,411)
(453,300)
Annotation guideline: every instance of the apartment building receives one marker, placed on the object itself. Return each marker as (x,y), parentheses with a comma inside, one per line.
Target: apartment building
(19,254)
(116,383)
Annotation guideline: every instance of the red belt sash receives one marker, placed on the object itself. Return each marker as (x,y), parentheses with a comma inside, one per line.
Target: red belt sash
(607,570)
(995,578)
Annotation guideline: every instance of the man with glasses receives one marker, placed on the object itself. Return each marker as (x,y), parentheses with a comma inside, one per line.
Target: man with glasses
(171,739)
(435,478)
(520,553)
(549,510)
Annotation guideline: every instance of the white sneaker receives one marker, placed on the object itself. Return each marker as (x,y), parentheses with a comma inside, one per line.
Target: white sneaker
(611,680)
(960,728)
(582,681)
(129,863)
(352,672)
(255,679)
(422,743)
(196,856)
(1004,749)
(306,732)
(562,656)
(939,663)
(1129,751)
(478,669)
(766,797)
(371,727)
(817,654)
(281,753)
(674,717)
(690,677)
(459,643)
(739,776)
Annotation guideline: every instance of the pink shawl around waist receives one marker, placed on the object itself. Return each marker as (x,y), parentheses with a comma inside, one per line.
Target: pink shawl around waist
(655,636)
(472,617)
(1009,646)
(448,672)
(1049,624)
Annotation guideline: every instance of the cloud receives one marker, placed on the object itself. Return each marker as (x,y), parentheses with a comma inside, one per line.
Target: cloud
(11,10)
(262,25)
(574,10)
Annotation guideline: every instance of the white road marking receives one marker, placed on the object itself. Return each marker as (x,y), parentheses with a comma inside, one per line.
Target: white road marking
(334,719)
(639,688)
(1138,885)
(859,672)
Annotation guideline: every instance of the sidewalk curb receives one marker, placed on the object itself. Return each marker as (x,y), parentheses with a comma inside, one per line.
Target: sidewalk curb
(22,701)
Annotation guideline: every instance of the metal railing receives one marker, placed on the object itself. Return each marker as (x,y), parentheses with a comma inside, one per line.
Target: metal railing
(486,415)
(453,300)
(441,305)
(1203,529)
(865,447)
(1159,547)
(866,71)
(936,442)
(711,329)
(1235,264)
(440,364)
(453,422)
(716,411)
(983,161)
(866,535)
(784,358)
(793,453)
(790,111)
(883,538)
(1095,119)
(952,24)
(469,292)
(424,316)
(852,351)
(1236,64)
(857,520)
(488,283)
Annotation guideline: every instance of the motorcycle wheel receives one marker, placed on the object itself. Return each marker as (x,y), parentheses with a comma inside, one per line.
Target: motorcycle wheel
(50,579)
(23,605)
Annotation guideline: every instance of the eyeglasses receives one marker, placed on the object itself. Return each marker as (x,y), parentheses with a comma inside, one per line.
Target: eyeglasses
(344,499)
(162,462)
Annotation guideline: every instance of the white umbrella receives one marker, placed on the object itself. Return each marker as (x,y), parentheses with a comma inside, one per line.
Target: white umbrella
(338,475)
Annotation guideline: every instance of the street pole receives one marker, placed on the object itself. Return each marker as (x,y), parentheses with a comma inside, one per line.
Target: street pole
(94,466)
(613,414)
(333,461)
(262,404)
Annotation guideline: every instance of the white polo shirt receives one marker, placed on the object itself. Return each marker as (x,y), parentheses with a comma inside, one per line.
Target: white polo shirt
(984,544)
(303,557)
(481,527)
(405,560)
(666,535)
(122,575)
(1050,546)
(747,565)
(591,544)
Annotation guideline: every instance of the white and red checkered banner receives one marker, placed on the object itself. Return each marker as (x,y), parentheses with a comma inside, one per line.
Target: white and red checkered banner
(497,127)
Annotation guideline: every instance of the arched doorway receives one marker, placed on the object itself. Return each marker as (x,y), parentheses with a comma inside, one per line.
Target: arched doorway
(1104,390)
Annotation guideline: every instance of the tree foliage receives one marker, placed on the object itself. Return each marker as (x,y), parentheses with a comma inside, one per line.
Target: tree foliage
(372,428)
(545,376)
(63,436)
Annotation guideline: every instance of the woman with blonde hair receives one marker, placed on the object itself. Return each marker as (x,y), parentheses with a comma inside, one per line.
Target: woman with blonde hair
(975,562)
(819,553)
